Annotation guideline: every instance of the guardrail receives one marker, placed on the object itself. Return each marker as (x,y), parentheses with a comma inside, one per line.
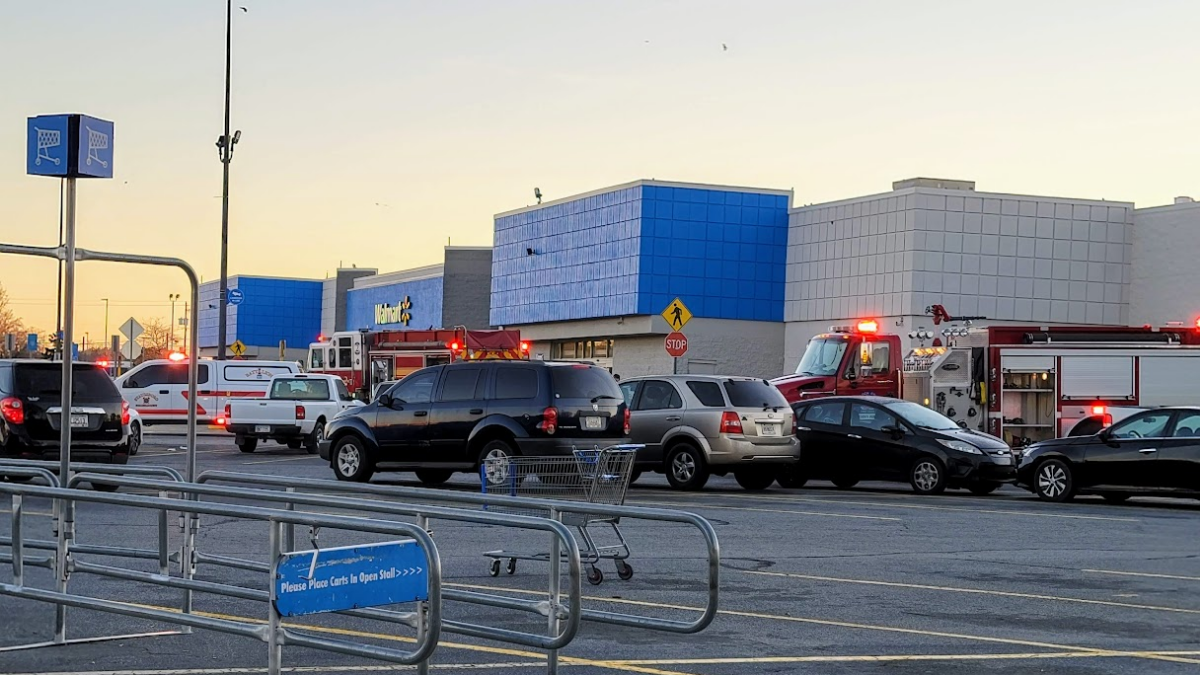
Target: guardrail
(428,619)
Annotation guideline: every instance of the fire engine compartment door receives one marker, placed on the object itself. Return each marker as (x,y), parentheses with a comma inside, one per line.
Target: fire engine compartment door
(1097,377)
(1169,380)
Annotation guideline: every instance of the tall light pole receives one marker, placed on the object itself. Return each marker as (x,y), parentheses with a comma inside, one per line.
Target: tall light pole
(106,336)
(225,150)
(173,297)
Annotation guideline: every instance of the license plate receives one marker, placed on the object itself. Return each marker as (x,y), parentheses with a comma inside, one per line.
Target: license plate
(262,429)
(769,429)
(1003,460)
(79,421)
(593,423)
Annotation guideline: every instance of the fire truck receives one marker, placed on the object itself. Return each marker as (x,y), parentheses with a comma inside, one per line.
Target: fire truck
(1020,383)
(366,358)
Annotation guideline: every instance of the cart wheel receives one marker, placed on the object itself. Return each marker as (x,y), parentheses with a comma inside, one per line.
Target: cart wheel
(624,570)
(595,576)
(512,566)
(495,569)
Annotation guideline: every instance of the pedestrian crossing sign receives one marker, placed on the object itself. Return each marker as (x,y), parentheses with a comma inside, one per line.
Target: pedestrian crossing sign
(677,314)
(238,348)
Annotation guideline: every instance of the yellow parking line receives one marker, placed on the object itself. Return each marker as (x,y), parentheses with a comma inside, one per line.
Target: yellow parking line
(784,511)
(976,591)
(1143,574)
(884,658)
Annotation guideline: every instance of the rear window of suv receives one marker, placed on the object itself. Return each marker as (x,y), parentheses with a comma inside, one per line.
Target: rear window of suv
(709,393)
(38,380)
(586,382)
(754,394)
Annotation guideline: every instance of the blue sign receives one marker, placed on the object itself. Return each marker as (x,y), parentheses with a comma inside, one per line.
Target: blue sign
(337,579)
(31,343)
(234,296)
(74,351)
(69,146)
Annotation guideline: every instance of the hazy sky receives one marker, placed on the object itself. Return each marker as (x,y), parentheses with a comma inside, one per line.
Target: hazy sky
(374,130)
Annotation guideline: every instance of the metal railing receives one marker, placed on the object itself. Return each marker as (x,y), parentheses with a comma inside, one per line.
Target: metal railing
(427,620)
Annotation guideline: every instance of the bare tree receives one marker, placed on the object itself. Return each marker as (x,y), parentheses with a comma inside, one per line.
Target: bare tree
(156,340)
(9,322)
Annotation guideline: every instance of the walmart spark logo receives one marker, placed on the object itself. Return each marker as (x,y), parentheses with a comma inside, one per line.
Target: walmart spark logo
(386,314)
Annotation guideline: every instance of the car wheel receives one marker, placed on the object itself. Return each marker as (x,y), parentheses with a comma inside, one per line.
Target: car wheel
(845,482)
(1053,482)
(791,477)
(928,476)
(313,442)
(293,444)
(754,479)
(495,464)
(1115,497)
(247,444)
(105,487)
(135,438)
(686,467)
(351,462)
(433,476)
(983,489)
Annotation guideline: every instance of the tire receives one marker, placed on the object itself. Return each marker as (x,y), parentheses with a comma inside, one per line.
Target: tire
(755,480)
(135,439)
(1053,482)
(247,444)
(1115,497)
(119,458)
(686,468)
(845,482)
(791,477)
(350,460)
(494,463)
(313,442)
(105,487)
(928,476)
(293,444)
(433,476)
(983,489)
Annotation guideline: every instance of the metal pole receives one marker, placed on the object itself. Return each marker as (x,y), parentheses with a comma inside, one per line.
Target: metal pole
(58,298)
(171,340)
(108,339)
(18,543)
(226,156)
(274,641)
(187,322)
(67,255)
(555,595)
(422,607)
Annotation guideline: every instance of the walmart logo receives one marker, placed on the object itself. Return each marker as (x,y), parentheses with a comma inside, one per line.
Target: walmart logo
(388,314)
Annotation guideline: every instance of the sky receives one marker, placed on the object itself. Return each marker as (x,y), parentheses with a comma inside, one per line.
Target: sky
(376,131)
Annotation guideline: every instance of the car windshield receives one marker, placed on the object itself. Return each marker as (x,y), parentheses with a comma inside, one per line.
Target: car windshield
(823,356)
(921,417)
(754,394)
(580,381)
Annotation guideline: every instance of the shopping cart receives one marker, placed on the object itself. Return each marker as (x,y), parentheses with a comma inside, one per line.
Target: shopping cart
(46,139)
(597,476)
(97,140)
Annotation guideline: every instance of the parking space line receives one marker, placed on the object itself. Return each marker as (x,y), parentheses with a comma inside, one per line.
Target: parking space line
(974,591)
(283,459)
(783,511)
(30,513)
(172,453)
(885,658)
(298,669)
(1142,574)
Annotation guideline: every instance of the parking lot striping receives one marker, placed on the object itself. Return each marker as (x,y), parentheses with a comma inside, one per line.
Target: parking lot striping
(30,513)
(1143,574)
(974,591)
(885,658)
(173,453)
(299,669)
(783,511)
(1178,657)
(282,459)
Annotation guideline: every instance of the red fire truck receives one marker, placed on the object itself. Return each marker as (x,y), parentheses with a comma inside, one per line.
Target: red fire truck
(363,358)
(1021,383)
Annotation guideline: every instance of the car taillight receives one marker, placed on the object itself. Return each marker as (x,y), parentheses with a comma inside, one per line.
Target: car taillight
(627,421)
(12,410)
(549,422)
(299,412)
(223,420)
(125,413)
(730,423)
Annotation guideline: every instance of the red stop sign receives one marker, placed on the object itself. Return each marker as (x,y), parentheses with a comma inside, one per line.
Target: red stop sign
(677,344)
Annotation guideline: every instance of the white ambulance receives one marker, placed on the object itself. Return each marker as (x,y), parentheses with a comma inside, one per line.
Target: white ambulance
(158,389)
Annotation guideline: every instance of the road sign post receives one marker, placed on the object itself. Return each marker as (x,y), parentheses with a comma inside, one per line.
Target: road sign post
(677,315)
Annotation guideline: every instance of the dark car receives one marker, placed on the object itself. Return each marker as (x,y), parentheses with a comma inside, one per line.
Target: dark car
(31,412)
(1156,452)
(847,439)
(453,417)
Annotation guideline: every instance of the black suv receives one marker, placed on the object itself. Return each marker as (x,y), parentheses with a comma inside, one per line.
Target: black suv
(452,417)
(31,414)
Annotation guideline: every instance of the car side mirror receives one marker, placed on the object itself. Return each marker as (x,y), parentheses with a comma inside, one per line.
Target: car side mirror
(851,375)
(1105,434)
(895,431)
(131,384)
(385,401)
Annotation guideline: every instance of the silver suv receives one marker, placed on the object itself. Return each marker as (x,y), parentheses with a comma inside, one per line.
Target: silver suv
(697,425)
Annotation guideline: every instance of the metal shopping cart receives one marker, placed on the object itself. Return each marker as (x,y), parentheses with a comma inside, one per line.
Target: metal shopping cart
(97,140)
(46,139)
(597,476)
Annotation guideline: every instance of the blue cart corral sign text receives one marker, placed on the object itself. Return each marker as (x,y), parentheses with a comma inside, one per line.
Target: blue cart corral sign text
(337,579)
(69,146)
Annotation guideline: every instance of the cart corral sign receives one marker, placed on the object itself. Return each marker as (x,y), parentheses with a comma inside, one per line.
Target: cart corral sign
(69,146)
(351,577)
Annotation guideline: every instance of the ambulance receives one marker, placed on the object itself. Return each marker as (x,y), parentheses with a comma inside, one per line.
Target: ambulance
(158,389)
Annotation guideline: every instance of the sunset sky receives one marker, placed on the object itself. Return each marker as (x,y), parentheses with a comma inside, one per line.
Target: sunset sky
(373,130)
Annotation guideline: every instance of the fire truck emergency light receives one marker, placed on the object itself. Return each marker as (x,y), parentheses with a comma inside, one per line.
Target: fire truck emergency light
(871,326)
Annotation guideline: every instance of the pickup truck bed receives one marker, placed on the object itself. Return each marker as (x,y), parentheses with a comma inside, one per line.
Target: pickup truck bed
(294,412)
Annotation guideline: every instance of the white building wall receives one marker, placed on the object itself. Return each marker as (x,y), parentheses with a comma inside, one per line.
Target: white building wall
(1165,266)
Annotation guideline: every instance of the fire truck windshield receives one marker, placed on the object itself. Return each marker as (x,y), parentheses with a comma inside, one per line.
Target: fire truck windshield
(823,356)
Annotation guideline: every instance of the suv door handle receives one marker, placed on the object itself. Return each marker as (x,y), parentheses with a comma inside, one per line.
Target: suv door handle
(476,411)
(674,418)
(164,391)
(1148,451)
(854,436)
(420,413)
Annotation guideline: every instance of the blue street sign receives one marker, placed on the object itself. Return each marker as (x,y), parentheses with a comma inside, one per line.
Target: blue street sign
(234,296)
(70,146)
(74,351)
(337,579)
(31,343)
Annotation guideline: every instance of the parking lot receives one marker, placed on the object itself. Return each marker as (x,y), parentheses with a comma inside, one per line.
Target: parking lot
(818,580)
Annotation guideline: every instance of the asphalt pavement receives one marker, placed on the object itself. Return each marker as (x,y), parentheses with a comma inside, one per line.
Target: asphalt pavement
(816,580)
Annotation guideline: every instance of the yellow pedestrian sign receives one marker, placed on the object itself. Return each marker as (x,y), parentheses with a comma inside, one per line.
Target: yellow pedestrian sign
(238,348)
(677,314)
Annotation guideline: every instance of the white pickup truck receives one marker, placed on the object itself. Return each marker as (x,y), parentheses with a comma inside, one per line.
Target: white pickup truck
(294,412)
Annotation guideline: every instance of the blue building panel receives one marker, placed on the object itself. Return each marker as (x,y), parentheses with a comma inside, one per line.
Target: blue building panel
(273,310)
(633,249)
(415,304)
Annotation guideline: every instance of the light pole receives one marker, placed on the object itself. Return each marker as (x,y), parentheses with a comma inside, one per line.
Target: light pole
(174,297)
(225,146)
(106,336)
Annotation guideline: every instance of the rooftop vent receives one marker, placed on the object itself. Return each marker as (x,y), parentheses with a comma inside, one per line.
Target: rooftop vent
(1184,200)
(938,183)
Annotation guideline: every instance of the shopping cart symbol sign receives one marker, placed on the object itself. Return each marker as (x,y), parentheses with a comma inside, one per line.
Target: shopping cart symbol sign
(351,577)
(96,141)
(47,146)
(69,146)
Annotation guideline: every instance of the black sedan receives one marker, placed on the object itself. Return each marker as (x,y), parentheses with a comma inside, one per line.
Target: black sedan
(846,439)
(1156,452)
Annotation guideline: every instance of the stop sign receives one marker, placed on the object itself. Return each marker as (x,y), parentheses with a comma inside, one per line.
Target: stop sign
(677,344)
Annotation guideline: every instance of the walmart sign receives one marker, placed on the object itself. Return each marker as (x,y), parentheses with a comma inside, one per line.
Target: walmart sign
(386,314)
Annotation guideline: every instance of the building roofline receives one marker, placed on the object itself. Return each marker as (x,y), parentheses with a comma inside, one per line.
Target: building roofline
(469,248)
(264,277)
(401,276)
(966,194)
(647,182)
(1184,206)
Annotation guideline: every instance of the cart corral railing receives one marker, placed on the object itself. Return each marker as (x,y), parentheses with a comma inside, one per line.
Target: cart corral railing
(427,620)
